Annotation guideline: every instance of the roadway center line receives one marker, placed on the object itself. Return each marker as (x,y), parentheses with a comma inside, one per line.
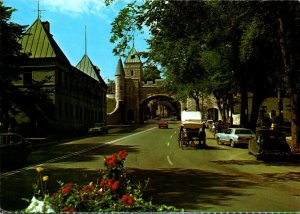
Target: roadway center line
(169,160)
(72,154)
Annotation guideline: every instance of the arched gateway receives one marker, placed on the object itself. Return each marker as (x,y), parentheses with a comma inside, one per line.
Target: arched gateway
(133,96)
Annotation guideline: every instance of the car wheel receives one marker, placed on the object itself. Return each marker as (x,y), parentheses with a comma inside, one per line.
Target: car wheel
(232,143)
(219,141)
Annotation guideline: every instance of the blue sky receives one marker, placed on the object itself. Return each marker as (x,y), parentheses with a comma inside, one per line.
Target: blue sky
(68,19)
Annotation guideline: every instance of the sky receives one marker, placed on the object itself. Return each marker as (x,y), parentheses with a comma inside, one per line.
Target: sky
(68,20)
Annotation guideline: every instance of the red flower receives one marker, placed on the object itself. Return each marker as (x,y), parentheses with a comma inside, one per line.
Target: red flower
(69,209)
(111,161)
(92,187)
(127,200)
(85,189)
(115,185)
(67,188)
(109,183)
(123,154)
(102,182)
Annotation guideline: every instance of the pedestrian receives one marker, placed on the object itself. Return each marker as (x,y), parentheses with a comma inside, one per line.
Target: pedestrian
(202,137)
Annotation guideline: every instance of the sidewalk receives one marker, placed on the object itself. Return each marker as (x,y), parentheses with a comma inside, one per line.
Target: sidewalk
(38,142)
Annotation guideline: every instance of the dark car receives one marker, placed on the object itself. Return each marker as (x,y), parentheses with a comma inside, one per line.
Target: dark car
(14,148)
(269,144)
(98,128)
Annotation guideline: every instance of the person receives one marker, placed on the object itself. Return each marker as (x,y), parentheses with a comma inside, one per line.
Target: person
(219,126)
(202,137)
(213,128)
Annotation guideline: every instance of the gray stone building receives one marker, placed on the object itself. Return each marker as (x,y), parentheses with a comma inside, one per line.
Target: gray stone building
(76,95)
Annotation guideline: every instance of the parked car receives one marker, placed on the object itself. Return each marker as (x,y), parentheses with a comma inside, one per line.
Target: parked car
(269,144)
(234,136)
(14,148)
(163,123)
(98,128)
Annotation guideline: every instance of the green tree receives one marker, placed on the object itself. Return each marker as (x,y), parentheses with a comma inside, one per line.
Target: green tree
(11,59)
(207,46)
(150,73)
(288,29)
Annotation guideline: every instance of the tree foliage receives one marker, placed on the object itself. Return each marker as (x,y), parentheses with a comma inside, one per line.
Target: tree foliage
(220,47)
(11,59)
(32,101)
(151,73)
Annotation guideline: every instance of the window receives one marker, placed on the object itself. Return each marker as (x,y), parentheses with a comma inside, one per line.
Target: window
(131,72)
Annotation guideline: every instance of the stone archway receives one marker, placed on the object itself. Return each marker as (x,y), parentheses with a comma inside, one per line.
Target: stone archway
(159,107)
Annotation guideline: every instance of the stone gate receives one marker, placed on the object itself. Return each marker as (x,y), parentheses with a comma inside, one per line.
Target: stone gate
(131,93)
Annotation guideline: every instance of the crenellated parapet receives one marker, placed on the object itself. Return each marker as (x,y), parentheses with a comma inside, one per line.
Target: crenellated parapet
(156,83)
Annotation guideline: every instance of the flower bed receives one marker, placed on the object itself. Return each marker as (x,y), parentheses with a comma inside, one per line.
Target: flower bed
(111,192)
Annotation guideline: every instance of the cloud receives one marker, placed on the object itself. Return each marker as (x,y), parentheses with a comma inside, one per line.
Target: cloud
(74,7)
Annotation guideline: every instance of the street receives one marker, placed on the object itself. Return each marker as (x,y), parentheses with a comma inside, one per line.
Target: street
(216,179)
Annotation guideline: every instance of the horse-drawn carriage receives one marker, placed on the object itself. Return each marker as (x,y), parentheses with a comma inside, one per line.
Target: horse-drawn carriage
(191,131)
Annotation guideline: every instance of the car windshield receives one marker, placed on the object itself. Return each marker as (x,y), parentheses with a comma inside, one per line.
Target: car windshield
(98,124)
(243,131)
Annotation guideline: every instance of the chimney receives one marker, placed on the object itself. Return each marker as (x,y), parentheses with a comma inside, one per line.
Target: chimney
(46,25)
(97,69)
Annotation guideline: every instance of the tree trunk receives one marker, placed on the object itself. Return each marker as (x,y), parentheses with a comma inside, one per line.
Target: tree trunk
(244,103)
(280,105)
(290,72)
(257,100)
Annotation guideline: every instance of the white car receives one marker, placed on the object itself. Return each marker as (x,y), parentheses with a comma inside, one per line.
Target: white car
(234,136)
(98,128)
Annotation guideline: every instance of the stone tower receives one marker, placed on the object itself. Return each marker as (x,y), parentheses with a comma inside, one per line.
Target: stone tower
(133,76)
(120,82)
(133,65)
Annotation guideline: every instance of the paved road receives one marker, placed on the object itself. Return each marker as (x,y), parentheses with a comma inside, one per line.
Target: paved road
(219,178)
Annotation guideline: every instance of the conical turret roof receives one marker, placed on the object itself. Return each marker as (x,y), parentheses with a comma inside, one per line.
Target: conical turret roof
(120,70)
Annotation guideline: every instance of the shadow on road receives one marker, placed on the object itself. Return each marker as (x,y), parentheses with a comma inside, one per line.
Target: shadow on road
(188,189)
(192,190)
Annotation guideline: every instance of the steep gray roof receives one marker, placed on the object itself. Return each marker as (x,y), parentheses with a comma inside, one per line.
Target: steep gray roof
(133,57)
(86,66)
(39,42)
